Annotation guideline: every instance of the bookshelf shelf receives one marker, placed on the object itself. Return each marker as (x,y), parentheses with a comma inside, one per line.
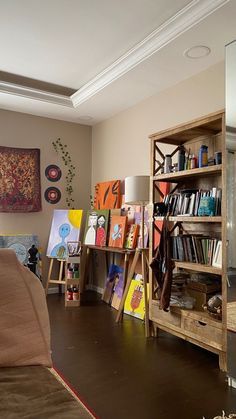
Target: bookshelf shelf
(198,267)
(197,239)
(181,175)
(189,219)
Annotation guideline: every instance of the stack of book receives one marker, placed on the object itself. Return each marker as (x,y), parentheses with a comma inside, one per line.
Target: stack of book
(188,201)
(195,248)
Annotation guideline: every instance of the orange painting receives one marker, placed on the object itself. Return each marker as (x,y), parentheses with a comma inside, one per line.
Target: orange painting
(117,231)
(108,195)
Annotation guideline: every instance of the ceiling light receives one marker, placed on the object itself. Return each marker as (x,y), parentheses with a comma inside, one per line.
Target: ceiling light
(199,51)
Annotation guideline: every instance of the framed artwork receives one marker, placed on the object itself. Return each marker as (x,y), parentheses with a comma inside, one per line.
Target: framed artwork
(131,236)
(138,218)
(117,231)
(107,195)
(20,189)
(65,228)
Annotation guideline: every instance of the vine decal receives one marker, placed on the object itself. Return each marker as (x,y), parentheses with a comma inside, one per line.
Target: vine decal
(61,150)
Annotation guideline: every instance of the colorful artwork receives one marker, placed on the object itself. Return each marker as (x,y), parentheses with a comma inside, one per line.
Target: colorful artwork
(102,227)
(129,210)
(107,195)
(118,289)
(135,303)
(65,228)
(117,231)
(113,274)
(131,236)
(96,227)
(20,243)
(20,180)
(138,219)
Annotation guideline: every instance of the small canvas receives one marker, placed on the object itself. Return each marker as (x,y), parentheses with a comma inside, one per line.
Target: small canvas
(102,227)
(118,289)
(90,228)
(117,231)
(112,277)
(65,228)
(138,218)
(131,236)
(135,303)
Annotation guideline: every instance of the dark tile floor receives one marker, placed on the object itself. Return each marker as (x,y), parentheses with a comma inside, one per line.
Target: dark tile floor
(122,375)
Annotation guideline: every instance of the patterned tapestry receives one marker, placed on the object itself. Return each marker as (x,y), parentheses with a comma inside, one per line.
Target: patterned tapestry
(20,180)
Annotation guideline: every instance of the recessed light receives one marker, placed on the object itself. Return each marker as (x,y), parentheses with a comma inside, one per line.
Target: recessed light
(199,51)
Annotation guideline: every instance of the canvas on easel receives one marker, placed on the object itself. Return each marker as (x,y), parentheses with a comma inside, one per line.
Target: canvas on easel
(65,227)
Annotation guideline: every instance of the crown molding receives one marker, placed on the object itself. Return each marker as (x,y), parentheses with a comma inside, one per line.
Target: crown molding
(35,94)
(182,21)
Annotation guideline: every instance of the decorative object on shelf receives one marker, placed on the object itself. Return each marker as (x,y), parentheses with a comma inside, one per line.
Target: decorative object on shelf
(61,149)
(65,228)
(73,248)
(203,156)
(53,173)
(52,195)
(218,157)
(20,189)
(107,195)
(214,306)
(168,163)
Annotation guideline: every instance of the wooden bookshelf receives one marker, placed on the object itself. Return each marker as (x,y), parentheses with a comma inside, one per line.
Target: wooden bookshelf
(181,175)
(190,219)
(197,327)
(198,267)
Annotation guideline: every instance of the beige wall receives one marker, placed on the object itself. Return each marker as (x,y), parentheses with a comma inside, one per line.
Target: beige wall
(120,145)
(26,131)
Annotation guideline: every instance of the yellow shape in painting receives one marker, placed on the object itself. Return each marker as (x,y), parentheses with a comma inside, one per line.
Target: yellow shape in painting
(75,217)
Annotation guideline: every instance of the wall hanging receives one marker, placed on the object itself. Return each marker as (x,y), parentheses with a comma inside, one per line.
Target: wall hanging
(20,189)
(53,173)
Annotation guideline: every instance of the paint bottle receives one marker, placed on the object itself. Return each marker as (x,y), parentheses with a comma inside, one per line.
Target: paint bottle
(203,156)
(69,294)
(193,163)
(75,294)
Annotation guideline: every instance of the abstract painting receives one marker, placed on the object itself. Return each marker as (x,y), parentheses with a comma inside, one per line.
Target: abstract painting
(108,195)
(20,180)
(131,236)
(138,220)
(117,231)
(65,228)
(112,277)
(118,289)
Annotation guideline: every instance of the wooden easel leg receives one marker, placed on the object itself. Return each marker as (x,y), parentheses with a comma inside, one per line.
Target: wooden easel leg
(49,275)
(129,279)
(126,265)
(144,275)
(60,274)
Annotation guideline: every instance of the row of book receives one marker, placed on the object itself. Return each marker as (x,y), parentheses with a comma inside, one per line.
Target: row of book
(194,202)
(197,249)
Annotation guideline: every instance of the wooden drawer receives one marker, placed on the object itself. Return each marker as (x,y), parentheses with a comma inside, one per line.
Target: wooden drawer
(163,317)
(202,330)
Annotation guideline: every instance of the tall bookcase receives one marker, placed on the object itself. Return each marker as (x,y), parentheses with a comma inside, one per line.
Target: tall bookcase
(195,326)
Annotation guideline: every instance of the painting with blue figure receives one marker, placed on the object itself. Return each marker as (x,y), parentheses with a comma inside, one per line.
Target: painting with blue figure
(65,228)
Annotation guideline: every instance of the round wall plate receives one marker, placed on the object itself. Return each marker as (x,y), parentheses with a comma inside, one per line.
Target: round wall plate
(52,195)
(53,173)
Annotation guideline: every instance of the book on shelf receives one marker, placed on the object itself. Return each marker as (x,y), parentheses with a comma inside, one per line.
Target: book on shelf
(194,202)
(197,249)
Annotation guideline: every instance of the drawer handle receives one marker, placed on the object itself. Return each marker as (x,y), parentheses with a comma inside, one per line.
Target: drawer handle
(202,323)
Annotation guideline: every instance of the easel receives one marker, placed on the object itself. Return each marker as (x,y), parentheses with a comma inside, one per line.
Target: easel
(144,258)
(58,281)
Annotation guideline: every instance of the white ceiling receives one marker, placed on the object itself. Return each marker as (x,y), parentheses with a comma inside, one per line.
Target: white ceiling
(103,50)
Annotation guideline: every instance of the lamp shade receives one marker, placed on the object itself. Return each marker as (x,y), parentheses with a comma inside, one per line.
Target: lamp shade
(137,190)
